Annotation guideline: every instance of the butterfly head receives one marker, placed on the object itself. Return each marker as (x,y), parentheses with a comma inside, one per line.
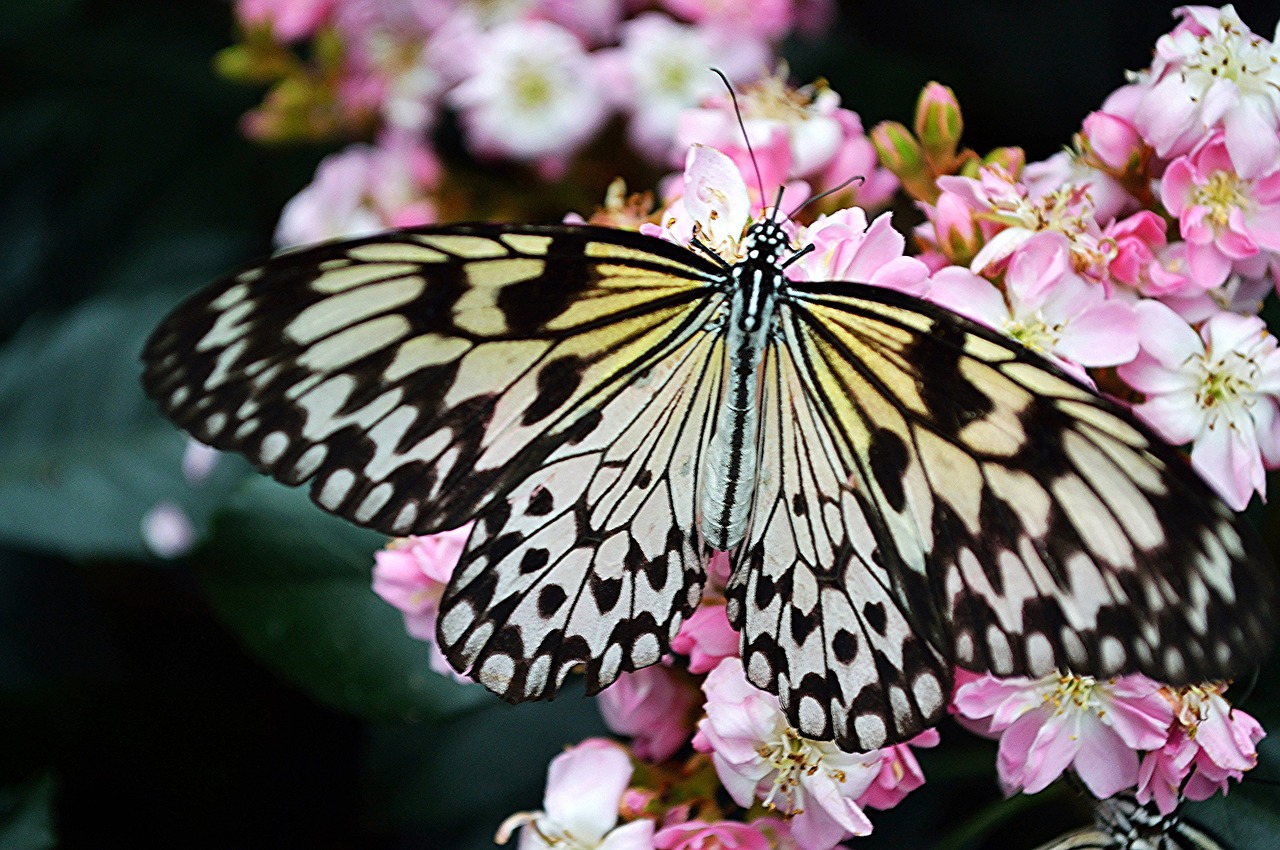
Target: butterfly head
(765,243)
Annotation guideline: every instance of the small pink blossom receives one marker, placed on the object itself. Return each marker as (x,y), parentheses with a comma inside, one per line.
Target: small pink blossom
(845,247)
(653,707)
(167,531)
(290,20)
(1218,390)
(1210,744)
(758,755)
(900,773)
(764,19)
(1136,238)
(1049,724)
(361,190)
(585,786)
(1210,71)
(759,834)
(1112,140)
(1224,217)
(411,574)
(707,638)
(1046,307)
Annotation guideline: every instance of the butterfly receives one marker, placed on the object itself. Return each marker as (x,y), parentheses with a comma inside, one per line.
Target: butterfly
(900,490)
(1122,823)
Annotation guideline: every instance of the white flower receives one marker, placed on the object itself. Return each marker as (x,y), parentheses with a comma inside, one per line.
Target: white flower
(1218,390)
(535,95)
(580,808)
(758,754)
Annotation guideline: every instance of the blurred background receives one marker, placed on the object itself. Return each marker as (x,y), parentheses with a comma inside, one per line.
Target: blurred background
(253,692)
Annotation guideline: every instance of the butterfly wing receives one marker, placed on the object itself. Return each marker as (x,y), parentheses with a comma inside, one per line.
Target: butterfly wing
(820,619)
(414,376)
(1022,522)
(1122,823)
(594,559)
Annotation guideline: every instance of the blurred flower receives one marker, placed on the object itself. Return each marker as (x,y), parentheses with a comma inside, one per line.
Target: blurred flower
(536,95)
(362,190)
(1224,217)
(661,68)
(1058,721)
(198,461)
(714,205)
(289,20)
(1210,743)
(757,754)
(1216,390)
(167,530)
(585,785)
(411,574)
(652,706)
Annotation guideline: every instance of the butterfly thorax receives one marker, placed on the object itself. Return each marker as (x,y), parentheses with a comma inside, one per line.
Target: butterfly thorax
(729,476)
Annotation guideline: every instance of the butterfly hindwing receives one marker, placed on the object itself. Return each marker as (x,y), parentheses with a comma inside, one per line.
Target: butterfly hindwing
(821,624)
(1029,523)
(413,376)
(594,560)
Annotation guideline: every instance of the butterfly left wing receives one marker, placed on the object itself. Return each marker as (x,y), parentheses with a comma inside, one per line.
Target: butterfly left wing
(594,560)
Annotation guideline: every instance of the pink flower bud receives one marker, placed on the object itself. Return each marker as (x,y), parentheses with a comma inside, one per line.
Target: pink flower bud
(1113,140)
(957,232)
(901,153)
(938,125)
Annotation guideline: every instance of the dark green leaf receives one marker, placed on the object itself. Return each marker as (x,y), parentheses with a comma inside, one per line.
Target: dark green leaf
(26,815)
(85,454)
(294,584)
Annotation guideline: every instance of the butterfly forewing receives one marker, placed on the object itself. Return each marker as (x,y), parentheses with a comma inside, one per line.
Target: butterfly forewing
(1029,523)
(413,377)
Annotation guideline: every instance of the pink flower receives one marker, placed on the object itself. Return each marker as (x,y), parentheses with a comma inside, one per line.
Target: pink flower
(758,755)
(1046,307)
(1136,238)
(585,785)
(1224,217)
(535,96)
(411,574)
(1210,744)
(1113,140)
(290,20)
(1049,724)
(167,531)
(763,19)
(847,248)
(1217,390)
(661,69)
(759,834)
(1211,71)
(652,706)
(361,190)
(707,638)
(900,773)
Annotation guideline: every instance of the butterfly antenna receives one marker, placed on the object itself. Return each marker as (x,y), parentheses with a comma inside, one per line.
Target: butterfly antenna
(737,113)
(826,194)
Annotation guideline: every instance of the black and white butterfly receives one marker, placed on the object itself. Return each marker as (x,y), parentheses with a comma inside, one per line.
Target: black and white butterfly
(900,489)
(1122,823)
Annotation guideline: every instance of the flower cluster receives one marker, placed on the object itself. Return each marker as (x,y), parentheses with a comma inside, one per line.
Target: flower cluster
(531,81)
(1138,260)
(1115,734)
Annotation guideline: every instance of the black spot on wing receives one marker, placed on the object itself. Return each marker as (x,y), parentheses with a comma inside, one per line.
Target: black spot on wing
(889,460)
(557,382)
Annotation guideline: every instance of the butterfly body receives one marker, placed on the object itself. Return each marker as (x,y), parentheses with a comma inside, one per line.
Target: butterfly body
(901,489)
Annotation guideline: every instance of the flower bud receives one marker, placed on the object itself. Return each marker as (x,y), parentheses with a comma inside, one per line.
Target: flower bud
(938,126)
(1113,141)
(958,234)
(901,153)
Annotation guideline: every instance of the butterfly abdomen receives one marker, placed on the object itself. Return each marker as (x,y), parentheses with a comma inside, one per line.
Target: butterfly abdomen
(730,477)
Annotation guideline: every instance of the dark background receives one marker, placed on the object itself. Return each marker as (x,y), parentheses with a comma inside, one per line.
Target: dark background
(238,698)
